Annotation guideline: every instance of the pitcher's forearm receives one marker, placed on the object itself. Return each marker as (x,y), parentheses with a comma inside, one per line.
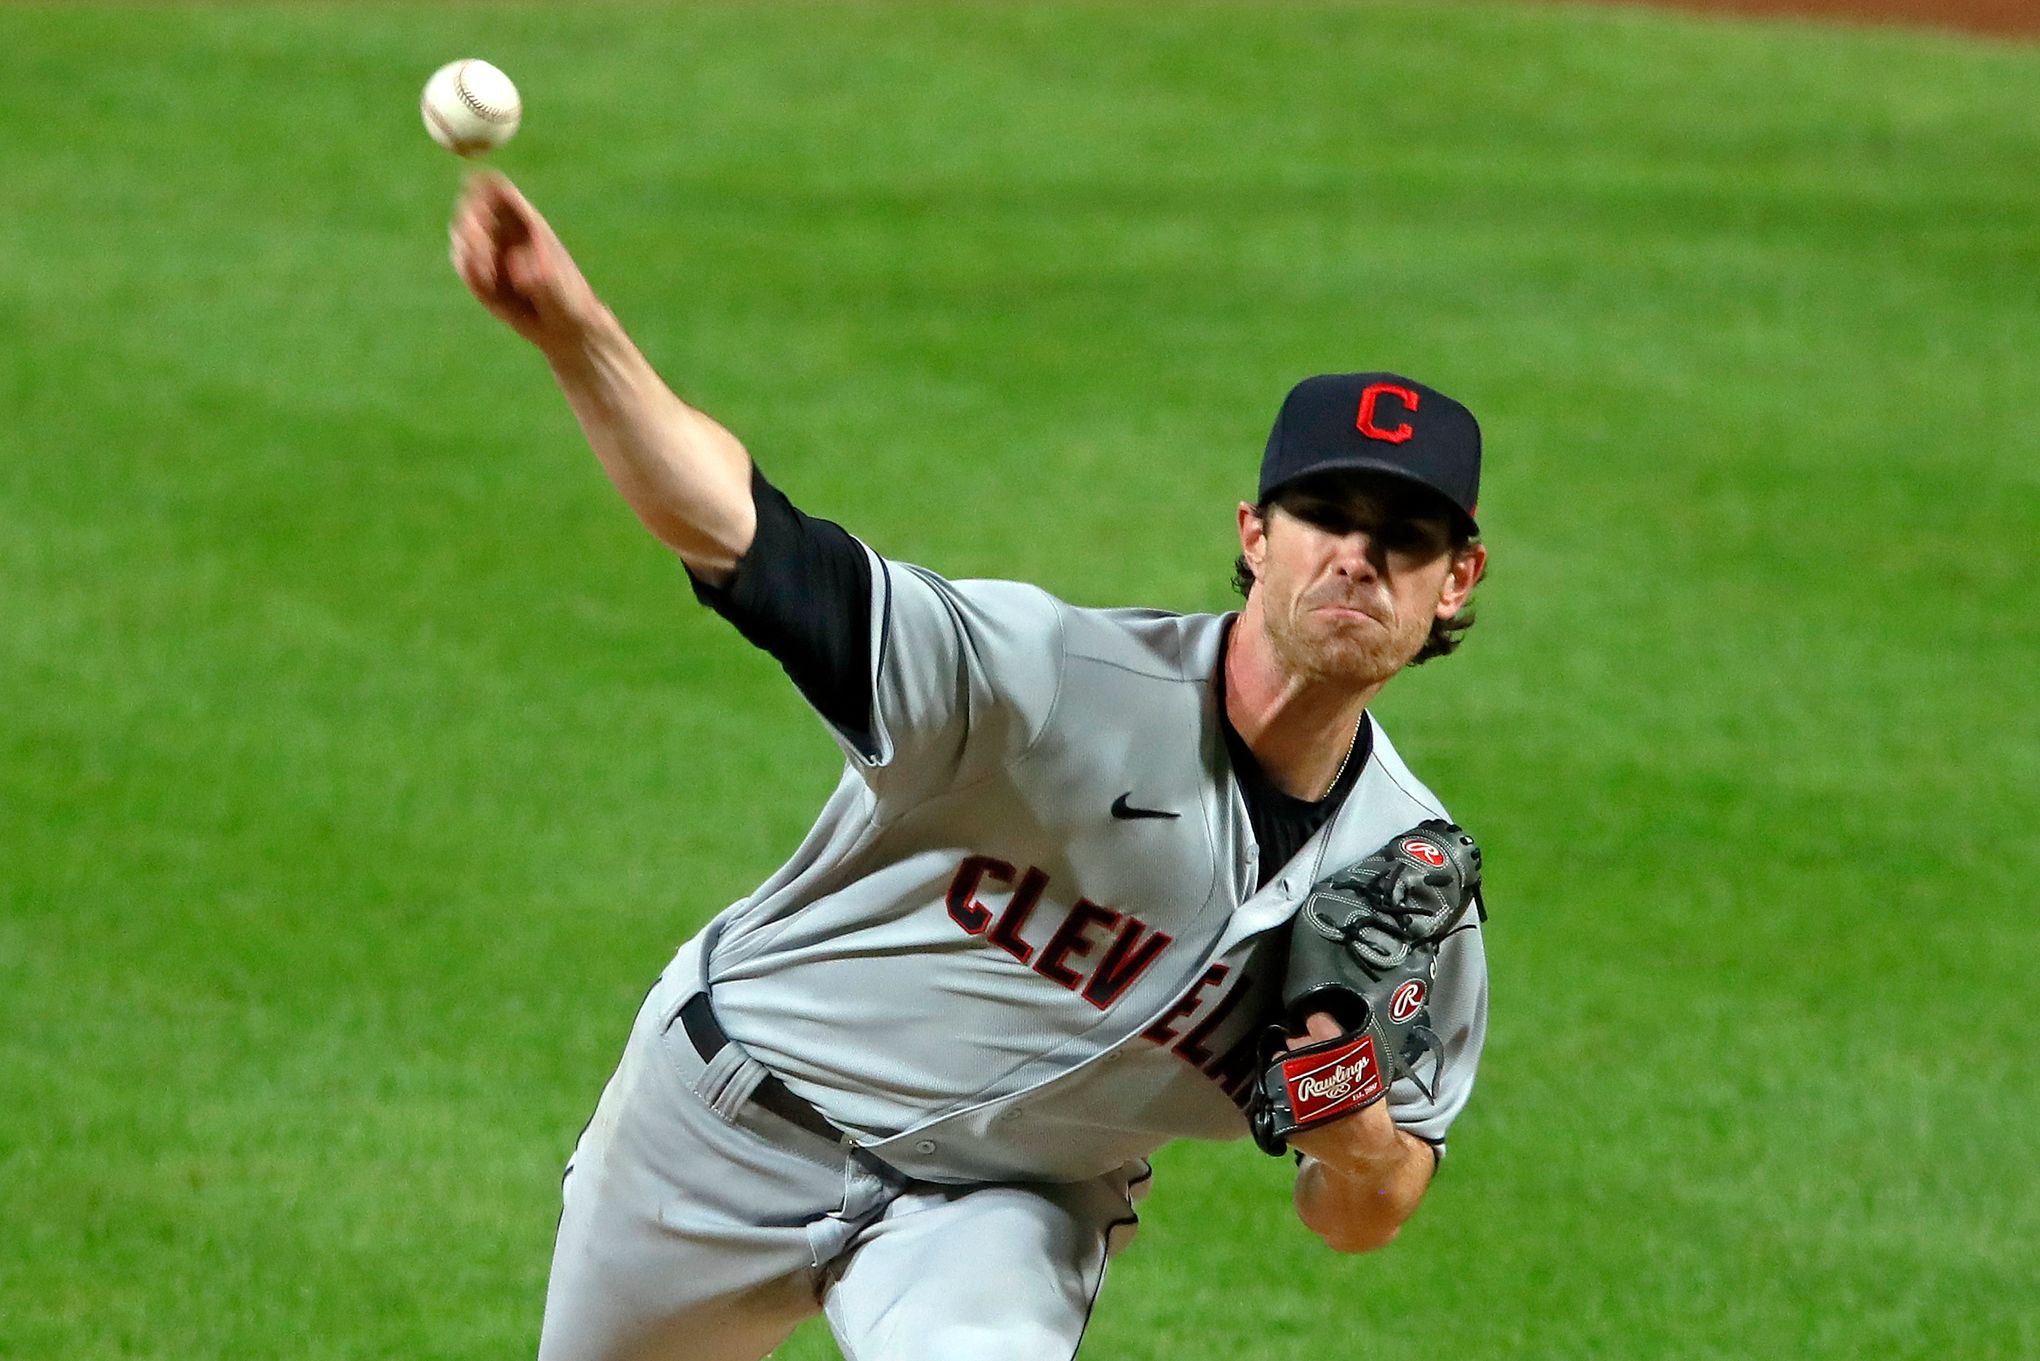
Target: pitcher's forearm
(1363,1205)
(688,478)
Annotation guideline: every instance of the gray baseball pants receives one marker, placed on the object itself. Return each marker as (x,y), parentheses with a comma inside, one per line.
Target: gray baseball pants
(699,1226)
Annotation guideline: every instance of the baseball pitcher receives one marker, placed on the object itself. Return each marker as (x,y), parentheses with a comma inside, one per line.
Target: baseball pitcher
(1091,880)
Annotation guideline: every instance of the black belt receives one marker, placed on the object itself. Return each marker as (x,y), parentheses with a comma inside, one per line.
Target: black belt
(708,1039)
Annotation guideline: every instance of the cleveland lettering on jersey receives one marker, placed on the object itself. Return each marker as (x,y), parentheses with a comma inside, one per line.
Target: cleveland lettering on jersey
(1129,951)
(1233,1068)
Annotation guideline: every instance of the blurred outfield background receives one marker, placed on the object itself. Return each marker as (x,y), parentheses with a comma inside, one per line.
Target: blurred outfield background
(361,761)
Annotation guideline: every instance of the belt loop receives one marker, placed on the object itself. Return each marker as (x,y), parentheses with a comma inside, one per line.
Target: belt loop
(733,1076)
(728,1081)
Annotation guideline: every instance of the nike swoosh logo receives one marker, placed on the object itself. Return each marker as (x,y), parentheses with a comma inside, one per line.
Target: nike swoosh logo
(1122,809)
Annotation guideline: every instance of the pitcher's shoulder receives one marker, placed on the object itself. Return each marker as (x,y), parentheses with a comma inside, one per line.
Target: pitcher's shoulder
(1161,644)
(1158,644)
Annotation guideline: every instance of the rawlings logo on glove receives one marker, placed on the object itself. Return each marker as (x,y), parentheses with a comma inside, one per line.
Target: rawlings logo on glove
(1362,950)
(1323,1085)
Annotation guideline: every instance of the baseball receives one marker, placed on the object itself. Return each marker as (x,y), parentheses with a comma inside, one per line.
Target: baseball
(470,107)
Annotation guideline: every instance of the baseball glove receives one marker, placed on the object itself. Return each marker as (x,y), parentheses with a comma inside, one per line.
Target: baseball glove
(1363,948)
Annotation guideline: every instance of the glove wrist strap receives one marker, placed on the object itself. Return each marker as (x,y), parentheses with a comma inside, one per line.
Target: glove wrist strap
(1332,1078)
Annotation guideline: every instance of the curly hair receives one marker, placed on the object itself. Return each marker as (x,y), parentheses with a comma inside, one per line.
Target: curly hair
(1446,634)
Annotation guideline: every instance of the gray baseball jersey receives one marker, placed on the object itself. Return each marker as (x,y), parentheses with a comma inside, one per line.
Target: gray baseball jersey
(1020,942)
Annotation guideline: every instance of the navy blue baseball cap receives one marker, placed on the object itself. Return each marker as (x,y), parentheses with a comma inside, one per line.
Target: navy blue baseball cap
(1381,423)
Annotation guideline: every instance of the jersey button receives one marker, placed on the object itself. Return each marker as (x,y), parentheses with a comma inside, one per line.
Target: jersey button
(924,1146)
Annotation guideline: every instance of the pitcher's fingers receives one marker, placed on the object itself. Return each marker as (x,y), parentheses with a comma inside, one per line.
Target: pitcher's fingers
(465,271)
(496,186)
(481,269)
(526,268)
(509,215)
(475,264)
(470,235)
(474,203)
(473,236)
(1321,1026)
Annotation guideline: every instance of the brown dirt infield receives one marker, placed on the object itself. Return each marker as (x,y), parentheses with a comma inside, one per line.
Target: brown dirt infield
(2011,18)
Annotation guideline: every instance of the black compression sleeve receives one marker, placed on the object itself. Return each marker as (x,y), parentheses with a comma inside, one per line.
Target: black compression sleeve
(803,594)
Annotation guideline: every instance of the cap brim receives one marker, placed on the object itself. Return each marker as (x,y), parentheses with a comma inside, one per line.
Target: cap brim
(1456,512)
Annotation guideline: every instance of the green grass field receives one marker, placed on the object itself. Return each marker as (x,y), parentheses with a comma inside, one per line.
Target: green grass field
(361,760)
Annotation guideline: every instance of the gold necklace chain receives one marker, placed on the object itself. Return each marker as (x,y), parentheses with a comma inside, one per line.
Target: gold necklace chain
(1351,743)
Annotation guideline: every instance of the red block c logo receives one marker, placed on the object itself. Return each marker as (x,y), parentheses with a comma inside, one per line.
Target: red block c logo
(1373,393)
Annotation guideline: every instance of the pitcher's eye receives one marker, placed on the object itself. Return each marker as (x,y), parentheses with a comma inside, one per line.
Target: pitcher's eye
(1328,516)
(1409,536)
